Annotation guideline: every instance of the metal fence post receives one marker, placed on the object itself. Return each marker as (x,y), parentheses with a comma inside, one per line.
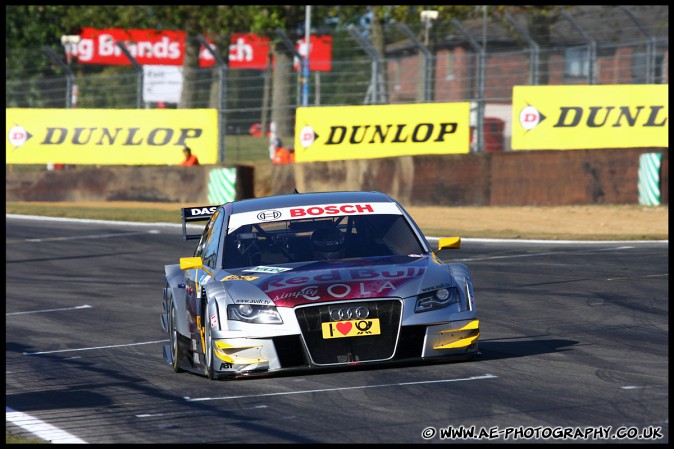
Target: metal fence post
(592,45)
(535,49)
(288,43)
(428,74)
(374,92)
(70,77)
(139,69)
(480,84)
(222,84)
(650,47)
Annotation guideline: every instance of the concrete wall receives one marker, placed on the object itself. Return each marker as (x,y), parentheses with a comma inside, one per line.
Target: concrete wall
(547,178)
(533,178)
(115,183)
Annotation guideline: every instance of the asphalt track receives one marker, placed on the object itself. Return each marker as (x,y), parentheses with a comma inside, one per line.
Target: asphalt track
(574,343)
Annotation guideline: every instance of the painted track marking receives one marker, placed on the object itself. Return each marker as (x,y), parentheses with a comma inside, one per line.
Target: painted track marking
(82,237)
(96,347)
(361,387)
(85,306)
(40,428)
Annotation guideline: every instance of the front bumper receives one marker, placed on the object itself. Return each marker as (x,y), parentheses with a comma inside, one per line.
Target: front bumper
(242,356)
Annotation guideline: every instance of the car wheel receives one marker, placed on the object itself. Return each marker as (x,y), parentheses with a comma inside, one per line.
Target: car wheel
(176,352)
(209,356)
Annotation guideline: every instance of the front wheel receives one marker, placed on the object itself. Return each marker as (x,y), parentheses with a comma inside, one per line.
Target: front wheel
(176,352)
(209,356)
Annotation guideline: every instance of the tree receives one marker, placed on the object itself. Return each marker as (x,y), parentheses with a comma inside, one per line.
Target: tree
(267,20)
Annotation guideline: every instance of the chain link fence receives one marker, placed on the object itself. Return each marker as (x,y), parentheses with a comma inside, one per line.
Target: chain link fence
(437,60)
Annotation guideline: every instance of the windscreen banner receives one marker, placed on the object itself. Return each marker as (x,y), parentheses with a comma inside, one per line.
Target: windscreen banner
(589,117)
(110,136)
(328,133)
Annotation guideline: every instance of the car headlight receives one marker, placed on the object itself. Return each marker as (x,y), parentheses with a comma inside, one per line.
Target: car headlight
(254,313)
(437,299)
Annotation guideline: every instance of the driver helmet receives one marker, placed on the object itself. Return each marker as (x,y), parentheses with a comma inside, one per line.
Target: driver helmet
(328,243)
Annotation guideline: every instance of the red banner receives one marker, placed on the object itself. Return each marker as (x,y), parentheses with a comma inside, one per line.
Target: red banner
(320,54)
(248,51)
(153,47)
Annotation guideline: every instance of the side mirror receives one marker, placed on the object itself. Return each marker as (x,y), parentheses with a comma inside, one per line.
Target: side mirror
(191,262)
(448,243)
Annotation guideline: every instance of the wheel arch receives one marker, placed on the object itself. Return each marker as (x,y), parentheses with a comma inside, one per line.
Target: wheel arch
(175,280)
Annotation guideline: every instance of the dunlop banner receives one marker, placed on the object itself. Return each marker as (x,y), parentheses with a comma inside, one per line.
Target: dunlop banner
(110,136)
(329,133)
(584,117)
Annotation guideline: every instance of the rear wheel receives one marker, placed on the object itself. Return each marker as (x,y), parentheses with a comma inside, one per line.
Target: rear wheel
(176,352)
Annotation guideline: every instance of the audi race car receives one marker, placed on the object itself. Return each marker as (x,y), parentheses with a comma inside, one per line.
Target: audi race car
(311,280)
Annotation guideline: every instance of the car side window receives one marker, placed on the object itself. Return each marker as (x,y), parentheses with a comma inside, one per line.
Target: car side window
(208,230)
(210,240)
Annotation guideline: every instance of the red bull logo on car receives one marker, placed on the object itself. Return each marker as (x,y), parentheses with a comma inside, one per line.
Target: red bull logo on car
(339,284)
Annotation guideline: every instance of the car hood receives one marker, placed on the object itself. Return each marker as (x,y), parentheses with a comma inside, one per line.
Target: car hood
(350,279)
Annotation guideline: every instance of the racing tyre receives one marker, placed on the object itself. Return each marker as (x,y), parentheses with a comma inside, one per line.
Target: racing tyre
(176,352)
(209,356)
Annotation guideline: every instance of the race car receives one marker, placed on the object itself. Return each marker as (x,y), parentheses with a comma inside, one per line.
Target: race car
(313,280)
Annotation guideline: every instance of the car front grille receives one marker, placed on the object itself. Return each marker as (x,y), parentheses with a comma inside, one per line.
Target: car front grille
(333,351)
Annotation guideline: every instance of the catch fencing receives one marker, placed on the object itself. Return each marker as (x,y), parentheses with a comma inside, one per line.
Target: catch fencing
(436,60)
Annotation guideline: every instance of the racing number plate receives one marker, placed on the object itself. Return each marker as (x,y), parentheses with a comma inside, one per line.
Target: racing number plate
(351,328)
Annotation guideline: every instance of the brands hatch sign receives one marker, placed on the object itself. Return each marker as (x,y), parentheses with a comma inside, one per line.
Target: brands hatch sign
(166,47)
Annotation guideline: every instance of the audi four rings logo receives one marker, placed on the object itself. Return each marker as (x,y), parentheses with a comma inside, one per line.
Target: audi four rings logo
(349,313)
(268,215)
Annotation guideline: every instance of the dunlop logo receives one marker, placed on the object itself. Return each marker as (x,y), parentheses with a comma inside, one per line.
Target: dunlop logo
(120,136)
(390,133)
(599,116)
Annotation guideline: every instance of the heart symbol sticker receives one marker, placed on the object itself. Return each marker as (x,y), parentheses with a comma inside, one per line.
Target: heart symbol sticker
(344,328)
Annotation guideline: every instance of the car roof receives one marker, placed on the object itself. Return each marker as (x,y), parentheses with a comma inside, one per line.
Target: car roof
(308,199)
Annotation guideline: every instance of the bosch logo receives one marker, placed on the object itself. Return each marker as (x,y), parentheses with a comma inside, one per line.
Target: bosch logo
(268,215)
(349,313)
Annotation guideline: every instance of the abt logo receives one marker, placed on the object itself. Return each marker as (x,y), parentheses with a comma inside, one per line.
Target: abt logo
(18,135)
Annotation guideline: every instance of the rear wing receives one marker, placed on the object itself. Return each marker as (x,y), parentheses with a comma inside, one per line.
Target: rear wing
(198,213)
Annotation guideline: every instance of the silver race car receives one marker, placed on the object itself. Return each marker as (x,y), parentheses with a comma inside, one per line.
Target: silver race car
(310,280)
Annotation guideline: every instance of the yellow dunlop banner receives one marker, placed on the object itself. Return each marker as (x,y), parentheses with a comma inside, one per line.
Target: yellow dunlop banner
(110,136)
(584,117)
(328,133)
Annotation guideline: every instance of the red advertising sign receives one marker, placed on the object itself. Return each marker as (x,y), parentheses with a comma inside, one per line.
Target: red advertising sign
(320,54)
(248,51)
(153,47)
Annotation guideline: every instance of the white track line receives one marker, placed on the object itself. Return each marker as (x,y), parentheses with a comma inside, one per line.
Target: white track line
(177,225)
(96,347)
(40,428)
(549,253)
(85,306)
(92,221)
(361,387)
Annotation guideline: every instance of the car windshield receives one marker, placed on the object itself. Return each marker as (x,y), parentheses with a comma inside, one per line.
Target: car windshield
(303,240)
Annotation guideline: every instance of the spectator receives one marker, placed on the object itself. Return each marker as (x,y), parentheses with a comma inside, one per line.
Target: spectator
(273,146)
(190,159)
(291,157)
(281,154)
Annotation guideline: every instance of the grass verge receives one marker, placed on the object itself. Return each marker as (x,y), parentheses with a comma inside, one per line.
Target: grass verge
(603,222)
